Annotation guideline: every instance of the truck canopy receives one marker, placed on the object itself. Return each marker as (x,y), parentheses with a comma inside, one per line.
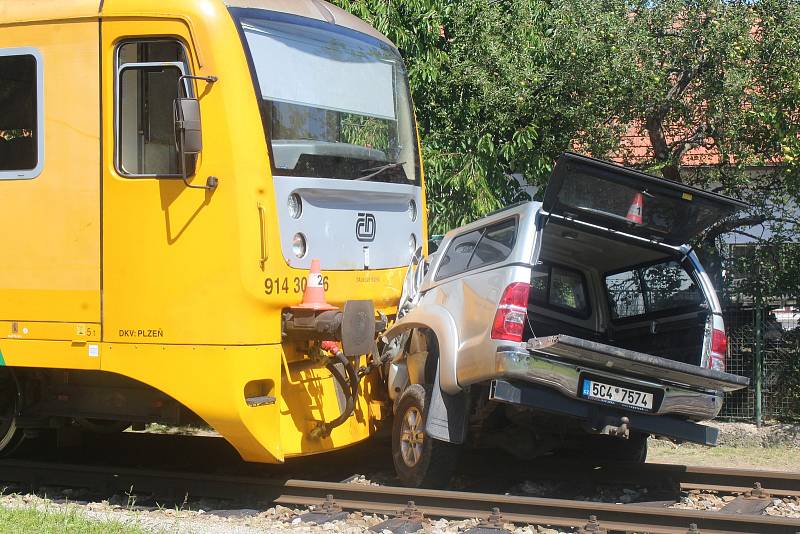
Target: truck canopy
(631,202)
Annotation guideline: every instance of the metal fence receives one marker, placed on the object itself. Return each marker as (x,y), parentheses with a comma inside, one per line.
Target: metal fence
(764,345)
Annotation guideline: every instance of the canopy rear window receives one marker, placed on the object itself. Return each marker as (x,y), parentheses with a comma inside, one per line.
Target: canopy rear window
(632,202)
(652,289)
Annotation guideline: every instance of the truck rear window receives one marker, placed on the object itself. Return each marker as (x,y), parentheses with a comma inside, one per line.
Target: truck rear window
(651,289)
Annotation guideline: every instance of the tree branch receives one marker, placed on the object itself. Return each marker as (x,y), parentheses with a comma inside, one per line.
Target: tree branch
(681,147)
(746,234)
(732,225)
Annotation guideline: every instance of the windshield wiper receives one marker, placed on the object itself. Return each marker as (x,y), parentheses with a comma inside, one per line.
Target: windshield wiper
(375,171)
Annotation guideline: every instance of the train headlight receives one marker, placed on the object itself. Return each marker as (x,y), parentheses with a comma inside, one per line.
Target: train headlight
(295,206)
(412,244)
(299,245)
(412,210)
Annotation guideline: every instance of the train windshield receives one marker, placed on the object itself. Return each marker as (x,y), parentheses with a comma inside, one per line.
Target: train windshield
(335,103)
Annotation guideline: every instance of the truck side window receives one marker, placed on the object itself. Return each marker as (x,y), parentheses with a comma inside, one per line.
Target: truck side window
(540,281)
(559,287)
(21,113)
(651,289)
(147,85)
(495,245)
(567,290)
(478,248)
(457,256)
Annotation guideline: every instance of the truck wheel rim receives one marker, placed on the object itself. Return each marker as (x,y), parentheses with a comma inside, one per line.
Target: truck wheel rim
(411,437)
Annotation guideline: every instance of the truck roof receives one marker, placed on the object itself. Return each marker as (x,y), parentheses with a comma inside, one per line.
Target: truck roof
(55,10)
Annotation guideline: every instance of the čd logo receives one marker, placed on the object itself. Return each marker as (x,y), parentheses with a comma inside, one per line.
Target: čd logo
(365,227)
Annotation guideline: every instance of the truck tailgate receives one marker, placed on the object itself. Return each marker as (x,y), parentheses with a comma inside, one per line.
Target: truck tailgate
(608,358)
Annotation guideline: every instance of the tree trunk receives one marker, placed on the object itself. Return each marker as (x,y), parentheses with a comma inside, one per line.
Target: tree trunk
(661,150)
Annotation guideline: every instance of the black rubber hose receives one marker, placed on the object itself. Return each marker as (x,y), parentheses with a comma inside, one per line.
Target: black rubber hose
(352,373)
(350,390)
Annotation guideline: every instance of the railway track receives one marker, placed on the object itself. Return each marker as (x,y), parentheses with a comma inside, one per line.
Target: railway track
(639,517)
(725,480)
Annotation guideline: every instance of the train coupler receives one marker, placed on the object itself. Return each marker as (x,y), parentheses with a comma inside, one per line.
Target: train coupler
(355,326)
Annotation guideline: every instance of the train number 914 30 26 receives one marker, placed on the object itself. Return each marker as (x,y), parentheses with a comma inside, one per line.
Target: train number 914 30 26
(280,285)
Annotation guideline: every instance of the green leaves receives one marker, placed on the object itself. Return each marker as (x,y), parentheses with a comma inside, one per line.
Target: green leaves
(503,87)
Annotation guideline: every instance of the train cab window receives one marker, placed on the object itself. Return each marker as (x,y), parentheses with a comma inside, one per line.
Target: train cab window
(21,113)
(148,74)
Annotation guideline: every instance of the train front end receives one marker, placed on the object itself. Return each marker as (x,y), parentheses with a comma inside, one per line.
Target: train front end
(347,179)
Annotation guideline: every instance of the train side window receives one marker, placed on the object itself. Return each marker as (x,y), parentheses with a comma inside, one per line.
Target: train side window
(148,75)
(21,113)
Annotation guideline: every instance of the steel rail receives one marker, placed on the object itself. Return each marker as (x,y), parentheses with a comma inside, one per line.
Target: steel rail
(724,479)
(532,510)
(729,479)
(389,500)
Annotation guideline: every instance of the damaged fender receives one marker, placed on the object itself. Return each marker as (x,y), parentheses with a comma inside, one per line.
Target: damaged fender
(448,408)
(436,319)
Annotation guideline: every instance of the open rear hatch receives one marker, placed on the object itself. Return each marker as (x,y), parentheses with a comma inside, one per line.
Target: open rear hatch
(623,203)
(607,358)
(615,198)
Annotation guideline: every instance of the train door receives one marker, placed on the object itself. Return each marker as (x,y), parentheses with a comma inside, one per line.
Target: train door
(176,316)
(161,238)
(49,182)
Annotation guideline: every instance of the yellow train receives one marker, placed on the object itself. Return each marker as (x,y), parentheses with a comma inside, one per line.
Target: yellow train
(168,171)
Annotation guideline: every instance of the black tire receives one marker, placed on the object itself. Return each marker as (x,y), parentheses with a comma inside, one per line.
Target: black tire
(419,460)
(10,434)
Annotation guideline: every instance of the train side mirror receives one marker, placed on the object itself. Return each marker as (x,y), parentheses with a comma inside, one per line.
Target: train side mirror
(189,133)
(187,126)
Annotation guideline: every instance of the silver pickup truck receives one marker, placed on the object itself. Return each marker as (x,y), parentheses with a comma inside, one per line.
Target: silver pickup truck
(584,322)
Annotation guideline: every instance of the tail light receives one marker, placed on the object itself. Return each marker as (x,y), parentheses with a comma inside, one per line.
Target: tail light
(719,348)
(512,313)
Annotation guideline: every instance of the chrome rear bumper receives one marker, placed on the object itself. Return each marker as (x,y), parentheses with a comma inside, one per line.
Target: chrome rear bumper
(566,379)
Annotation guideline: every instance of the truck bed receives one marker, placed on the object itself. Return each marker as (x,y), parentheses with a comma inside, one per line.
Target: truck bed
(610,358)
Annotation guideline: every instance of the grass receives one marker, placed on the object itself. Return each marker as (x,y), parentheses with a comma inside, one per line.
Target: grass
(59,520)
(780,458)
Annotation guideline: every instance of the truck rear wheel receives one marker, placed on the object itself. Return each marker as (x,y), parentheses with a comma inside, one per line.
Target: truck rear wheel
(419,460)
(10,434)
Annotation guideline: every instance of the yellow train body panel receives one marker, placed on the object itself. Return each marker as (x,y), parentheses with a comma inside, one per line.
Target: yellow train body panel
(183,289)
(51,270)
